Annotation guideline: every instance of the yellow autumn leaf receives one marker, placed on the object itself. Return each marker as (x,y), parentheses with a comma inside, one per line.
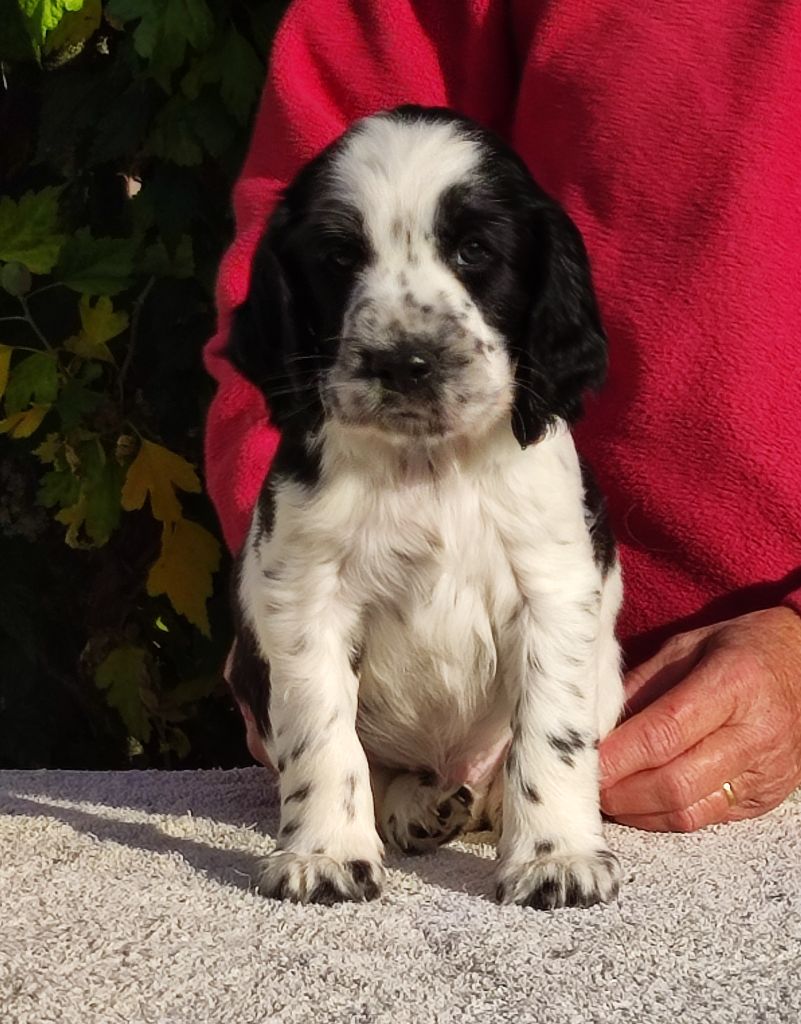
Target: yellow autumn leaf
(49,449)
(23,424)
(5,363)
(156,471)
(189,557)
(73,518)
(99,324)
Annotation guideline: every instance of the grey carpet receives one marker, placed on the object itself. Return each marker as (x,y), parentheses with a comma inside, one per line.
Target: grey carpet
(127,897)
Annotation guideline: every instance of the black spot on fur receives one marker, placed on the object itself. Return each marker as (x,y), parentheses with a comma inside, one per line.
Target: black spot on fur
(289,829)
(427,778)
(350,809)
(355,658)
(513,762)
(567,745)
(531,793)
(362,874)
(299,749)
(464,796)
(546,897)
(543,848)
(299,794)
(326,892)
(281,764)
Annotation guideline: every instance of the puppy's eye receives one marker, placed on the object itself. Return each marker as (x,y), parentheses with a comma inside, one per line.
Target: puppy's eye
(343,257)
(473,253)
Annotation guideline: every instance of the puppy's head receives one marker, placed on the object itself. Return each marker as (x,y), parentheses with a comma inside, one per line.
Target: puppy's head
(414,280)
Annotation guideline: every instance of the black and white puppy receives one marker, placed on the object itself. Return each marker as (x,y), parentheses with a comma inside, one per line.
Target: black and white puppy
(427,596)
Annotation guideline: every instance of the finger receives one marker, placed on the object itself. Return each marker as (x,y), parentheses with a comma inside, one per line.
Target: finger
(672,662)
(695,707)
(683,781)
(713,809)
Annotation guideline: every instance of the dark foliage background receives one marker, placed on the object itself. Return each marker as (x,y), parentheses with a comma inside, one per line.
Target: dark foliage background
(122,127)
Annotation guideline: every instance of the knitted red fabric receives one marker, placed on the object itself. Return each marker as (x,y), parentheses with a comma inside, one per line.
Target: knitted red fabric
(670,133)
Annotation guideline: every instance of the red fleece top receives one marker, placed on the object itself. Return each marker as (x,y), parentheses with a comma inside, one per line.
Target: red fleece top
(671,133)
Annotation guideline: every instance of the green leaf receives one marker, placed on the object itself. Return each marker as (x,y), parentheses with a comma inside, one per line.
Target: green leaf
(172,135)
(28,230)
(123,675)
(35,378)
(233,63)
(96,266)
(211,124)
(42,16)
(99,324)
(58,487)
(76,26)
(242,76)
(76,403)
(15,279)
(102,487)
(165,29)
(158,261)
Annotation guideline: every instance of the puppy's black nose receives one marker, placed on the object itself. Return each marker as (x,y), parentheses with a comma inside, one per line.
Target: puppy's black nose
(398,369)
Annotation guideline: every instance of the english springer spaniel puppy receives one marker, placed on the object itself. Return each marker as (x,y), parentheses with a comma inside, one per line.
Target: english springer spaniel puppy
(426,600)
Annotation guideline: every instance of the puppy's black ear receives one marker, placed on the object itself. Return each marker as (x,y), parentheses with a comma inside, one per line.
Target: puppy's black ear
(263,331)
(562,351)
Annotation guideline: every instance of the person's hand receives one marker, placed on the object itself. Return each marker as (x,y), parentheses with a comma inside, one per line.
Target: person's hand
(716,705)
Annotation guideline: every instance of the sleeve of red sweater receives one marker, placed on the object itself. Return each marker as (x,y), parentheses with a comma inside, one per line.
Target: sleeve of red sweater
(334,61)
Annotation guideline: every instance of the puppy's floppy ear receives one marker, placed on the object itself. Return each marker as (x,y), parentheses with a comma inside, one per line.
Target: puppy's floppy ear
(562,351)
(263,330)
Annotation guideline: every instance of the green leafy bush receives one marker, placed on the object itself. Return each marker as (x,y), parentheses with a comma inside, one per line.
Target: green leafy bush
(123,126)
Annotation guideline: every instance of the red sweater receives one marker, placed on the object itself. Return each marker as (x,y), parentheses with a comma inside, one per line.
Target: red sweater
(671,134)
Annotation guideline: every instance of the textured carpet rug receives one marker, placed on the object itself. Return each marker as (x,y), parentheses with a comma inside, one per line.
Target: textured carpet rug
(127,897)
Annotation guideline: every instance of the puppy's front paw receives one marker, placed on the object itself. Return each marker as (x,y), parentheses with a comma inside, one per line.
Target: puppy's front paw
(417,816)
(566,880)
(316,878)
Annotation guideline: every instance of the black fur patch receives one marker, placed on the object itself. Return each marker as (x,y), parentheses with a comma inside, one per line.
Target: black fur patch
(249,674)
(596,516)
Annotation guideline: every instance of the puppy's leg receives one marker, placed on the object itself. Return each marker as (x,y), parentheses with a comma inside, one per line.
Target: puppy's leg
(552,852)
(328,848)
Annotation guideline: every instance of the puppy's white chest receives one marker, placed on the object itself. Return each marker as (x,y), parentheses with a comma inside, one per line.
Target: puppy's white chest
(429,693)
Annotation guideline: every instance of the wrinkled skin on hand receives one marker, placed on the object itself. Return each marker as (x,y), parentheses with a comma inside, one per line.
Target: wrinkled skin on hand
(718,704)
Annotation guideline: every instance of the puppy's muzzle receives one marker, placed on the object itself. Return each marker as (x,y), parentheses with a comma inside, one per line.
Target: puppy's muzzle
(403,369)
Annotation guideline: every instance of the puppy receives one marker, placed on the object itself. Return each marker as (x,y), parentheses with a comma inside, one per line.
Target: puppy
(426,600)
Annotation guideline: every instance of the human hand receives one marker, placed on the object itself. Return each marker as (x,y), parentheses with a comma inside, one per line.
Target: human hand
(718,704)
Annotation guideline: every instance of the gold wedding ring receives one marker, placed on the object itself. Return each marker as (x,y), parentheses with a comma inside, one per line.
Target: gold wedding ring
(728,789)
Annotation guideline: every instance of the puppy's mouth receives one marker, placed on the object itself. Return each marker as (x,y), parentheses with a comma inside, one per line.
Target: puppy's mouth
(371,407)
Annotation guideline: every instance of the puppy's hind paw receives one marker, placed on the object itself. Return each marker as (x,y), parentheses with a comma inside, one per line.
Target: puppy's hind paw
(569,880)
(417,816)
(316,878)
